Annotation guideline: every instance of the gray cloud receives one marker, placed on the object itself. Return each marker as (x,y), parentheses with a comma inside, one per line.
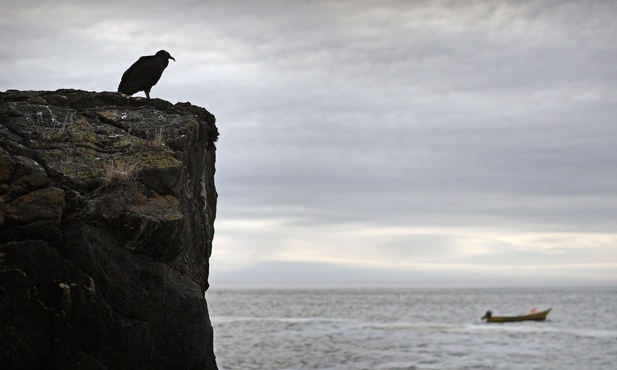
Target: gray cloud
(479,115)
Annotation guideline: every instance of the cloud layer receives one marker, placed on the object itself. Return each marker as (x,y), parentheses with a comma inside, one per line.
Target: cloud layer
(393,135)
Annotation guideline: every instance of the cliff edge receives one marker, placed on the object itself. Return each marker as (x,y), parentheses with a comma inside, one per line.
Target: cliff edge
(107,205)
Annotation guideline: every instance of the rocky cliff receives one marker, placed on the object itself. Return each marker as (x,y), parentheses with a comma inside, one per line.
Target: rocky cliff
(107,205)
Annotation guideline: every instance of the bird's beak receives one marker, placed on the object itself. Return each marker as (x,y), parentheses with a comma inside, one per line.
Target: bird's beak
(170,57)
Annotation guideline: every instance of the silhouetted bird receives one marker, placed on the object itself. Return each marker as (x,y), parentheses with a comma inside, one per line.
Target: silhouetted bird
(144,73)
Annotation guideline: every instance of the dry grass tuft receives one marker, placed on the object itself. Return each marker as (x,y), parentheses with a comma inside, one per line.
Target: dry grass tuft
(119,171)
(152,142)
(57,131)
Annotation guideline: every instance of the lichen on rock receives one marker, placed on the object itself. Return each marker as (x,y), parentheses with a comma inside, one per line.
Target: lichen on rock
(107,206)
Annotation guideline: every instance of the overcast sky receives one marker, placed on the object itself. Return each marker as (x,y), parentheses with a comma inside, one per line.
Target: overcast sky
(401,143)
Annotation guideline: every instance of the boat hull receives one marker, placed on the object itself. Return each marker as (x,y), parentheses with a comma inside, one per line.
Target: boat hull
(538,316)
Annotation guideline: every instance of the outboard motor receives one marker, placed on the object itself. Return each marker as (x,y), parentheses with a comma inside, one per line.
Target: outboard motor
(487,315)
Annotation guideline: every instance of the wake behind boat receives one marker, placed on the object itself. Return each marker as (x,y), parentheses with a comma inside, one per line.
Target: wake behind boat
(533,316)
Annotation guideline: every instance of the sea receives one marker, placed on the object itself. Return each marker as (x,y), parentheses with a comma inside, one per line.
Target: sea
(396,329)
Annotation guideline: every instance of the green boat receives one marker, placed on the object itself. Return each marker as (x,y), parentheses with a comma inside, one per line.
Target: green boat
(533,316)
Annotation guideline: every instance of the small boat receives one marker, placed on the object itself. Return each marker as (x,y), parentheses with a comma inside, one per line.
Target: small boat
(533,316)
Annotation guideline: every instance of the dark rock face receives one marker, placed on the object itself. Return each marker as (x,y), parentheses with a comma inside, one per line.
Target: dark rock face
(107,206)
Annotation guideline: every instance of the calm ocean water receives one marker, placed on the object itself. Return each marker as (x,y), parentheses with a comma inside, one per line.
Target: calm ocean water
(413,329)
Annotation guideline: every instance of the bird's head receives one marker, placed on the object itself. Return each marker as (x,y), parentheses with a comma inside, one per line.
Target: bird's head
(165,55)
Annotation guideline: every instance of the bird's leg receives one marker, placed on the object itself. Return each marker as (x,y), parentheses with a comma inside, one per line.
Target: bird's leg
(147,93)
